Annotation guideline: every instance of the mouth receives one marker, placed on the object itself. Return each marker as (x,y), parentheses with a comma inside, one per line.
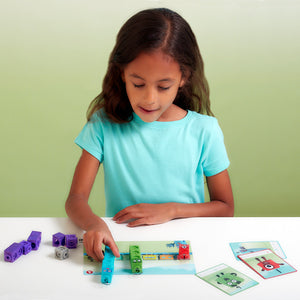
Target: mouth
(147,111)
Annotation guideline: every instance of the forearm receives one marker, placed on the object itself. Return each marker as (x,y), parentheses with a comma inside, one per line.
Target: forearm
(215,208)
(81,213)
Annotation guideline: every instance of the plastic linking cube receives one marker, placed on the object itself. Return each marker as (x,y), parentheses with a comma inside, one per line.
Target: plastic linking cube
(62,252)
(107,266)
(58,239)
(35,239)
(15,250)
(184,251)
(69,240)
(135,259)
(26,247)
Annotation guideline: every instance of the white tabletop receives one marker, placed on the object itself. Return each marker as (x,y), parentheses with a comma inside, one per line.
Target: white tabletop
(39,275)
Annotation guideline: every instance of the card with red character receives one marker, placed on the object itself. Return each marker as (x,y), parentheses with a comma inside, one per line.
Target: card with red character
(266,263)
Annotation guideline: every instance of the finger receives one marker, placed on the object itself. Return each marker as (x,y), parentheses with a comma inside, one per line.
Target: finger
(88,246)
(126,218)
(129,209)
(93,245)
(138,222)
(97,247)
(120,214)
(113,247)
(98,253)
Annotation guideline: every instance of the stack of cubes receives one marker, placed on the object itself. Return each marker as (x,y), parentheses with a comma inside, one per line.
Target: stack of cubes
(15,250)
(63,244)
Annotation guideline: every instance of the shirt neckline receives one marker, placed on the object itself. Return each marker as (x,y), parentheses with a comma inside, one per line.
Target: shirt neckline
(160,124)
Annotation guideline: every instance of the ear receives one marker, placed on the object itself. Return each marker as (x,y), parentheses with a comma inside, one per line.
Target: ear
(182,82)
(122,75)
(185,75)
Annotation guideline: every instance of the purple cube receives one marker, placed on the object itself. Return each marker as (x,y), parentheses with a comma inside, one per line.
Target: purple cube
(35,239)
(13,252)
(58,239)
(71,241)
(26,247)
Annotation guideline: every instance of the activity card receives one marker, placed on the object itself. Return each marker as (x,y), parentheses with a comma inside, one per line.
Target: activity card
(249,247)
(227,279)
(266,263)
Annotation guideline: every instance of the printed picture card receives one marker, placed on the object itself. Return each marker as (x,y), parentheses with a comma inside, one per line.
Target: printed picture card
(227,279)
(249,247)
(266,263)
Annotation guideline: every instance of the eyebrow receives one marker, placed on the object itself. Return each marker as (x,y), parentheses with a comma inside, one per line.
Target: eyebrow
(161,80)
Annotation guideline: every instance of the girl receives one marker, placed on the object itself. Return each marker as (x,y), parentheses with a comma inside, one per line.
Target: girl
(153,130)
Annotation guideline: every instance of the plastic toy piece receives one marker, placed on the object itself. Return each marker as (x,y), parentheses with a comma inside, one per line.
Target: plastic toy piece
(58,239)
(107,266)
(13,252)
(71,241)
(35,239)
(166,257)
(135,259)
(26,247)
(62,252)
(184,251)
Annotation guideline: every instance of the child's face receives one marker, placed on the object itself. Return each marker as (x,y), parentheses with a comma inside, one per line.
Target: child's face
(152,81)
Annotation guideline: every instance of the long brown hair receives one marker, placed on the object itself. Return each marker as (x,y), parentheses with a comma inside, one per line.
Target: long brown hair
(146,31)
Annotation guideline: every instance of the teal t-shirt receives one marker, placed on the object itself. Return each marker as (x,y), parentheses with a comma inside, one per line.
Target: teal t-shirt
(155,162)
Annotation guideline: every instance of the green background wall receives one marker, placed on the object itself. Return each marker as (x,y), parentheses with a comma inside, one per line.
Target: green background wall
(53,58)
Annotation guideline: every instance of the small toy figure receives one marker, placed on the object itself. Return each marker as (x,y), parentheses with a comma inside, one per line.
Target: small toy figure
(135,259)
(107,266)
(268,265)
(229,279)
(62,252)
(184,251)
(35,239)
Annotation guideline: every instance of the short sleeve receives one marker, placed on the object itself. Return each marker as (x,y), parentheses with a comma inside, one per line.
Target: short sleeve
(91,137)
(214,156)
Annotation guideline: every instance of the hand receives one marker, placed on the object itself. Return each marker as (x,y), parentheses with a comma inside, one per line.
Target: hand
(95,236)
(145,214)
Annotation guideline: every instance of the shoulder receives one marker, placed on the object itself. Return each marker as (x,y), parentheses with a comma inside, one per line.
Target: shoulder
(205,127)
(98,116)
(202,121)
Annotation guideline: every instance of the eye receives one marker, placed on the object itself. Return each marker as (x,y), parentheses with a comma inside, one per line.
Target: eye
(163,88)
(138,85)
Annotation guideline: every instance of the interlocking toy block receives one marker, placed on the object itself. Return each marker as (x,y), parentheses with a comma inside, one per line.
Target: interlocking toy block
(35,239)
(107,266)
(71,241)
(26,247)
(13,252)
(62,252)
(135,259)
(184,251)
(58,239)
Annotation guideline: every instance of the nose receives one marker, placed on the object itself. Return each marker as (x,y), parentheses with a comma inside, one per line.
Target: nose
(150,96)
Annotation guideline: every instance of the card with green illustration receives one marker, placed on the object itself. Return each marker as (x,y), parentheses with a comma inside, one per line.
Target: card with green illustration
(227,279)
